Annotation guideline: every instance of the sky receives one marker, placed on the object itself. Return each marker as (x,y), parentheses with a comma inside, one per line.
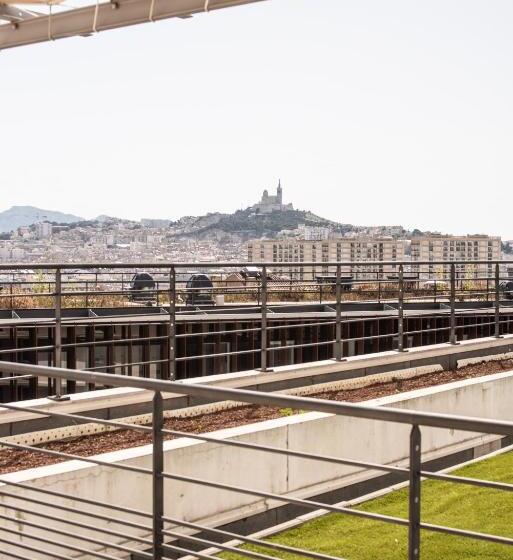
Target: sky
(370,111)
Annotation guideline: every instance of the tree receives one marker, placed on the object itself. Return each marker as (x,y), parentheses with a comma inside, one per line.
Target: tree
(507,249)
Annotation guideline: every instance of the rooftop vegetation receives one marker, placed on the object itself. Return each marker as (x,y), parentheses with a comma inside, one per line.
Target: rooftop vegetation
(448,504)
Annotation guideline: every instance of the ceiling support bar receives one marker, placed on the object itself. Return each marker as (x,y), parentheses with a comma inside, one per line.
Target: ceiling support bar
(111,15)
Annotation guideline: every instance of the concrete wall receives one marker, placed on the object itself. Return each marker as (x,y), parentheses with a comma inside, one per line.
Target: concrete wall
(380,442)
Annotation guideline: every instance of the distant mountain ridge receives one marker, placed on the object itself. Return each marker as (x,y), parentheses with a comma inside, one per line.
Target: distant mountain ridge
(19,216)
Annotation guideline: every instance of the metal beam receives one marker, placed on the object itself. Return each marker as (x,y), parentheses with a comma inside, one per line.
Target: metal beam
(101,17)
(14,14)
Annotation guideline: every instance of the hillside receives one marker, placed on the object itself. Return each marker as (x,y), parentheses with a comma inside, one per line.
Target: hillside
(248,225)
(18,216)
(238,227)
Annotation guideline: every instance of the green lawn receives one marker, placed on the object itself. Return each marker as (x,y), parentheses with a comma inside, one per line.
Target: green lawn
(453,505)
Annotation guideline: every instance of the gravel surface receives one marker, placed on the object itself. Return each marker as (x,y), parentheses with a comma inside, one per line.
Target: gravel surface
(13,460)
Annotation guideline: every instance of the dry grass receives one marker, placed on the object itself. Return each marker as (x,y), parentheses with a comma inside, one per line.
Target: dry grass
(41,295)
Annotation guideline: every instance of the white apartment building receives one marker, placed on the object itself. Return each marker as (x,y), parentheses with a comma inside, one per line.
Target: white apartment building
(356,249)
(446,248)
(43,229)
(313,233)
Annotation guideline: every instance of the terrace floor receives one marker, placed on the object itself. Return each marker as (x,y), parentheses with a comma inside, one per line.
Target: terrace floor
(452,505)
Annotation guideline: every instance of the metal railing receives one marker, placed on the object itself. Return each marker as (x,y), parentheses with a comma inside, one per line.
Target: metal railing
(39,515)
(455,290)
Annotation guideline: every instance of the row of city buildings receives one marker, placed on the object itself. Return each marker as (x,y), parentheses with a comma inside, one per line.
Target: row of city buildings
(112,241)
(422,254)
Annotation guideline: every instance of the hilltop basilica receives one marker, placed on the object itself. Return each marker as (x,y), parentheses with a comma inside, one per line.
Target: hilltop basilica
(269,204)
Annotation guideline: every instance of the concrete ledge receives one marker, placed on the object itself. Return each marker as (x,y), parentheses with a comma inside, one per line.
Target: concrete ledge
(71,431)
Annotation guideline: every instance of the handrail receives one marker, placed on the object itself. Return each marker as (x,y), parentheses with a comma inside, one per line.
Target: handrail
(157,539)
(233,264)
(263,345)
(434,420)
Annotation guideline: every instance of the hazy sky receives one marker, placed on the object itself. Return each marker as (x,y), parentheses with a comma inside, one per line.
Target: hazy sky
(370,111)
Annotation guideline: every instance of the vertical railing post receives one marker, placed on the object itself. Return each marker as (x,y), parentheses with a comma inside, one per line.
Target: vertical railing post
(414,494)
(263,326)
(172,325)
(497,302)
(157,478)
(452,336)
(400,311)
(338,324)
(378,279)
(57,346)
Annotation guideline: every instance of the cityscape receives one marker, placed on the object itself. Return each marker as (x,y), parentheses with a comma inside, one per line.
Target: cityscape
(287,235)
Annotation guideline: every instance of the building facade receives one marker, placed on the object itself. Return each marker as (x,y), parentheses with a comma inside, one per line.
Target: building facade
(448,248)
(357,249)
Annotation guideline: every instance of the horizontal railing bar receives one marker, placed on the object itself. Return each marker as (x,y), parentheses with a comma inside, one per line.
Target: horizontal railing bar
(56,494)
(244,264)
(78,536)
(76,511)
(298,289)
(459,327)
(31,349)
(38,550)
(206,356)
(435,420)
(470,481)
(285,284)
(370,337)
(83,321)
(13,379)
(114,341)
(129,364)
(212,333)
(466,533)
(15,295)
(243,538)
(53,542)
(221,546)
(304,345)
(308,504)
(242,307)
(298,325)
(186,552)
(18,556)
